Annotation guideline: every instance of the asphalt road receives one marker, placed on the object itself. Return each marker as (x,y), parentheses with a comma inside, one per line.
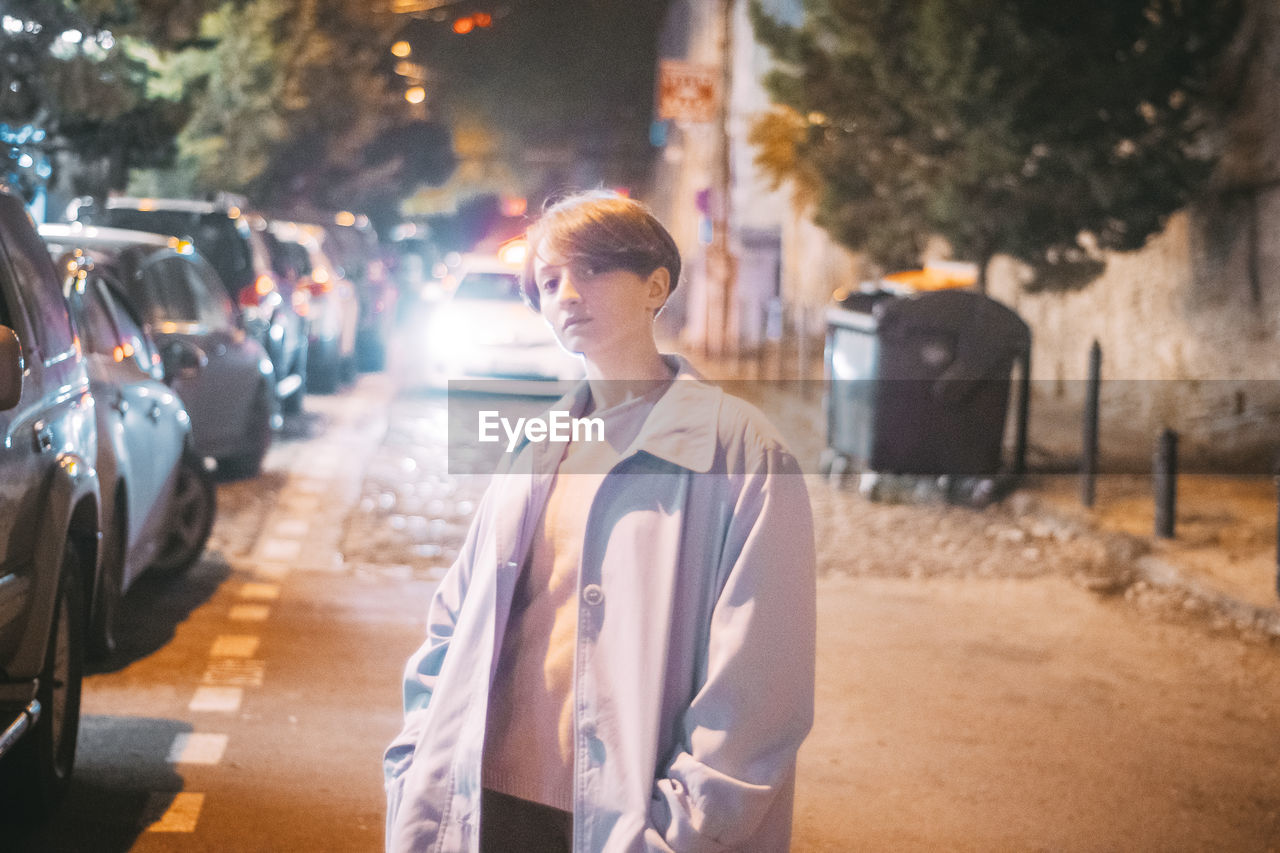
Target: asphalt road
(970,697)
(248,704)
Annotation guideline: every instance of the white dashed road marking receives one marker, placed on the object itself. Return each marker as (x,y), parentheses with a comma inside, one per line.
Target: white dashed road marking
(233,672)
(278,550)
(197,748)
(291,528)
(260,591)
(217,699)
(234,646)
(249,613)
(180,815)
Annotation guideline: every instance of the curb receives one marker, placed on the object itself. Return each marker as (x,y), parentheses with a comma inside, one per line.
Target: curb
(1131,570)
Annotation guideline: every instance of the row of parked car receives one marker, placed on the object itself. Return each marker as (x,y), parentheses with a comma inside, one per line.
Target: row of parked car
(137,344)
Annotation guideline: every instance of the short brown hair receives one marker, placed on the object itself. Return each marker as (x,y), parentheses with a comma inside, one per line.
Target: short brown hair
(601,231)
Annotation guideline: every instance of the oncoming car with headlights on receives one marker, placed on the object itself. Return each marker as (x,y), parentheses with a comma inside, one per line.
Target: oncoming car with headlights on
(483,331)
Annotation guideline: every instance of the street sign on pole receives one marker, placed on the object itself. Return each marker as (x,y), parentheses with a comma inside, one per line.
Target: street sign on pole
(688,91)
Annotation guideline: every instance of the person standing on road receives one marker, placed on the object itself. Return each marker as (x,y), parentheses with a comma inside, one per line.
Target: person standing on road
(622,656)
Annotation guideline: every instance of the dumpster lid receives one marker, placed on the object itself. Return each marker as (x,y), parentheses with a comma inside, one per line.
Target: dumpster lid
(936,275)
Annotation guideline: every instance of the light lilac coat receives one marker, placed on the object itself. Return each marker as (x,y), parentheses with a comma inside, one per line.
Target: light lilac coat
(694,672)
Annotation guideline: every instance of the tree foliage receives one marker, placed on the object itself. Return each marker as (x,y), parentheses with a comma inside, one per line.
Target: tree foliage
(1047,131)
(71,86)
(293,105)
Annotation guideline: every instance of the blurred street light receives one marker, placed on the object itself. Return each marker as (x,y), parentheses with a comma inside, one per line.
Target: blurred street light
(401,49)
(415,94)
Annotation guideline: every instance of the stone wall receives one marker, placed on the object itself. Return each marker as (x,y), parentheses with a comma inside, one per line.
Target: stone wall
(1190,326)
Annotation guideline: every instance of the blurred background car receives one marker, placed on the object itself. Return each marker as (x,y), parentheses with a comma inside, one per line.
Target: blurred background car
(49,506)
(353,247)
(483,330)
(332,305)
(415,267)
(158,499)
(232,241)
(231,399)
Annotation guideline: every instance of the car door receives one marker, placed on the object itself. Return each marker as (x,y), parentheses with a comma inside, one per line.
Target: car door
(37,429)
(145,419)
(178,308)
(168,425)
(20,474)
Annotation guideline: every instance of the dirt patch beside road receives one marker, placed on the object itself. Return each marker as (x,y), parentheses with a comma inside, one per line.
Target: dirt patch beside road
(987,714)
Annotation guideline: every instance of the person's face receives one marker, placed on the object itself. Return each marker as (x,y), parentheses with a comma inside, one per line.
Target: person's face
(598,313)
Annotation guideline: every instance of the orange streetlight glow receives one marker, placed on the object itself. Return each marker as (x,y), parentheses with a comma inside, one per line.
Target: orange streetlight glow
(401,49)
(462,26)
(482,19)
(415,94)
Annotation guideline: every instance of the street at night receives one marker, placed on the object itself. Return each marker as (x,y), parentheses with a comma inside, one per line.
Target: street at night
(971,695)
(913,484)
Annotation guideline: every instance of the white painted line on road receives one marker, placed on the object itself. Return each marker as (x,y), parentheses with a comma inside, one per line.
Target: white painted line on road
(233,672)
(234,646)
(274,572)
(180,815)
(260,591)
(223,699)
(291,528)
(303,504)
(249,613)
(278,550)
(310,486)
(197,748)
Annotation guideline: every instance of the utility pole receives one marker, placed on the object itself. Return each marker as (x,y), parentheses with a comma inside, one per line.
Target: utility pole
(722,270)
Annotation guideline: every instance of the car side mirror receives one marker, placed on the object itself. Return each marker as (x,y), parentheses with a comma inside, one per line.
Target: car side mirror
(12,366)
(182,360)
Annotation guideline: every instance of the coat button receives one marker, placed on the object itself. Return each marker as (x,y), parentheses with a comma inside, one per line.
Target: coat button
(592,594)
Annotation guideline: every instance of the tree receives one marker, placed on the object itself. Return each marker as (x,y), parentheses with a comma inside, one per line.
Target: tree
(293,105)
(1046,131)
(73,90)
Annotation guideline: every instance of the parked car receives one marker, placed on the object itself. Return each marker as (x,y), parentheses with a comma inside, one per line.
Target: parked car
(332,303)
(158,498)
(231,239)
(230,399)
(49,523)
(354,248)
(483,330)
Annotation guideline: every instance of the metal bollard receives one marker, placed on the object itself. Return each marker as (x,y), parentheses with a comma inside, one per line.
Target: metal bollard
(1089,448)
(1165,474)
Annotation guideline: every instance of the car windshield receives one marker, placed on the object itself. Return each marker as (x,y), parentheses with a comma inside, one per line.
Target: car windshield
(489,285)
(214,234)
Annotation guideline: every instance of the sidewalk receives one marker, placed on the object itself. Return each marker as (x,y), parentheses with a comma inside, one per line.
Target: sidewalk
(1220,567)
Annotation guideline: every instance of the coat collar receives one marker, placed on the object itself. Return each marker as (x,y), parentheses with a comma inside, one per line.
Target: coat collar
(681,428)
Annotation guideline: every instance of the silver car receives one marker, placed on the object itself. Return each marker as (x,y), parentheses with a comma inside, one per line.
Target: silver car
(231,399)
(158,499)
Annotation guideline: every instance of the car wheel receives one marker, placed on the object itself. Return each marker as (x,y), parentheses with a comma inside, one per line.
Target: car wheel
(246,465)
(324,370)
(292,405)
(371,354)
(191,509)
(35,775)
(102,631)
